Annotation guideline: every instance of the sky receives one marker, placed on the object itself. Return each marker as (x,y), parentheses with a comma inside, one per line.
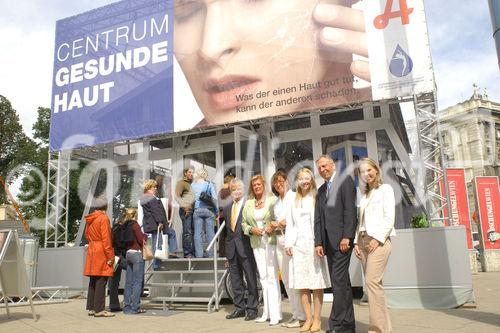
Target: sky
(460,32)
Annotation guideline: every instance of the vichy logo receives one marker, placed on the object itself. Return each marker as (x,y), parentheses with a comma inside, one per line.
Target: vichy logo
(401,63)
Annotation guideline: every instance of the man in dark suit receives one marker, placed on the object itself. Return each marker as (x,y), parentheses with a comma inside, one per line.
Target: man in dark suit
(334,230)
(240,256)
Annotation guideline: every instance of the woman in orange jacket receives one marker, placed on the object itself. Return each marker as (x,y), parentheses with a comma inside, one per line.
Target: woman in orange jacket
(100,258)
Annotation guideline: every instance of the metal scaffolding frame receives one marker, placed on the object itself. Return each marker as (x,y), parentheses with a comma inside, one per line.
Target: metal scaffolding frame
(427,181)
(40,295)
(431,158)
(56,220)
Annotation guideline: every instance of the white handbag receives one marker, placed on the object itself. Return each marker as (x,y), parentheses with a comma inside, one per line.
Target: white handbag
(161,253)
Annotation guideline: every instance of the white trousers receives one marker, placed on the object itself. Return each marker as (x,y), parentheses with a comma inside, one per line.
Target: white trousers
(267,265)
(293,294)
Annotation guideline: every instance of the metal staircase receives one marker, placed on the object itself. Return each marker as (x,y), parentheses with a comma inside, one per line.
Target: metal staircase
(189,280)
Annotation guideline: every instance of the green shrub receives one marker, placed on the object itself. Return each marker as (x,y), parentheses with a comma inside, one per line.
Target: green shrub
(419,221)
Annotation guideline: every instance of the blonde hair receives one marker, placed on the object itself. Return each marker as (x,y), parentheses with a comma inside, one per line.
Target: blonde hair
(236,182)
(130,214)
(149,184)
(228,179)
(378,178)
(201,174)
(253,179)
(299,194)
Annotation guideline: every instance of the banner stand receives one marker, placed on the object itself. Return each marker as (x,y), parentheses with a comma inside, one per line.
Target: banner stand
(13,276)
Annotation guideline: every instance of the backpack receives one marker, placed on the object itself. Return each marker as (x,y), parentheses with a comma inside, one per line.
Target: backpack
(122,233)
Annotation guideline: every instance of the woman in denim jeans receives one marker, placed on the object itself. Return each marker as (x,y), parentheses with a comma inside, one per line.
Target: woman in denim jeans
(204,213)
(135,264)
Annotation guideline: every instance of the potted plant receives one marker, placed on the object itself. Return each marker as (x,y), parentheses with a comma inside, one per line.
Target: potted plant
(419,221)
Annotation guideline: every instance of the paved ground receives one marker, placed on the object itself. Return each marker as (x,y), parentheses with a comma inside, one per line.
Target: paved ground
(71,317)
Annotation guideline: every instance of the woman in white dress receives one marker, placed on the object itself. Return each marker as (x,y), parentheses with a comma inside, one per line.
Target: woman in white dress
(307,271)
(284,201)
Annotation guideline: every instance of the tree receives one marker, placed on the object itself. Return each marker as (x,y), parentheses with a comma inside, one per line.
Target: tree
(16,149)
(33,186)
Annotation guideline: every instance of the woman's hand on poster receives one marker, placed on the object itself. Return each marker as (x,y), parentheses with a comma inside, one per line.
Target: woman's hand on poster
(342,33)
(269,229)
(357,252)
(289,251)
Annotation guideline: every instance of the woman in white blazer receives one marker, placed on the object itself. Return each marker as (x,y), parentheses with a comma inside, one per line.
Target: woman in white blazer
(372,243)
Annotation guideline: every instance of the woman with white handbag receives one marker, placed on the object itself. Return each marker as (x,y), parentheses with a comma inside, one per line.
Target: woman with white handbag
(154,216)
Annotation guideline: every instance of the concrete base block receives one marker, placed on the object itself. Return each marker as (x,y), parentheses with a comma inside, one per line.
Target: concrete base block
(473,262)
(490,260)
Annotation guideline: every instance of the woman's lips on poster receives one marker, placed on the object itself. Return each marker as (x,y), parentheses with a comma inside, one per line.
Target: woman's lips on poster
(229,92)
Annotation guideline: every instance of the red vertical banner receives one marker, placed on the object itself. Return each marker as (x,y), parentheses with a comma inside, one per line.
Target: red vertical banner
(488,204)
(458,201)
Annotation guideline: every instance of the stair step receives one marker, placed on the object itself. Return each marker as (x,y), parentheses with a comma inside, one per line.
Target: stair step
(179,284)
(193,271)
(193,259)
(181,299)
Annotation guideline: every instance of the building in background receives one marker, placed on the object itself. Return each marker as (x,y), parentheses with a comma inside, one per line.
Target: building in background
(470,133)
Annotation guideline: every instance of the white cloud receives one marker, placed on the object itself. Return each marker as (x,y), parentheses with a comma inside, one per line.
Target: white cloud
(463,50)
(455,79)
(27,31)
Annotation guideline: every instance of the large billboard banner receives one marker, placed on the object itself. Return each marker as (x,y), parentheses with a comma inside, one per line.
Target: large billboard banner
(458,203)
(113,71)
(488,204)
(143,67)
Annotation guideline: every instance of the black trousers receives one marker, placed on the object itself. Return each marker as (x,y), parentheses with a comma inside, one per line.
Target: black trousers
(342,314)
(237,267)
(97,293)
(113,286)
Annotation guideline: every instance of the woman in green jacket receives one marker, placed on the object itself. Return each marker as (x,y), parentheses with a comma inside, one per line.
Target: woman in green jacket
(257,218)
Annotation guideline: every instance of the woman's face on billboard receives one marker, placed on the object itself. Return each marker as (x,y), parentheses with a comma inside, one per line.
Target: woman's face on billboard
(230,50)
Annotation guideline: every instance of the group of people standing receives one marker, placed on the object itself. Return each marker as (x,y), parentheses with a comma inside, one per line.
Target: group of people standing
(124,244)
(112,250)
(198,210)
(308,236)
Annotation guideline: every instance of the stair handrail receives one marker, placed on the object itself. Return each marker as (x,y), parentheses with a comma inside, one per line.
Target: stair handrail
(209,247)
(216,237)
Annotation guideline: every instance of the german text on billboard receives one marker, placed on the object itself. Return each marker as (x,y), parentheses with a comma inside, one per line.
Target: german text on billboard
(113,74)
(488,202)
(459,207)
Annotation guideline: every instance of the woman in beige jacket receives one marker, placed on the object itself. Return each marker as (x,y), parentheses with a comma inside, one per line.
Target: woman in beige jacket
(372,242)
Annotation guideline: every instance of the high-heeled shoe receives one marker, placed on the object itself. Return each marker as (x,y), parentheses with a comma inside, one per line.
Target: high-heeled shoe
(262,319)
(315,327)
(274,323)
(306,327)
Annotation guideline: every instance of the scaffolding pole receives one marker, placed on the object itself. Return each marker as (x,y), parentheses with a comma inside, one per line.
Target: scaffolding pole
(56,220)
(432,159)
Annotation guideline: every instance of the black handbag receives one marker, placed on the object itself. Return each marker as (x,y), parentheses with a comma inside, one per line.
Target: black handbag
(206,197)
